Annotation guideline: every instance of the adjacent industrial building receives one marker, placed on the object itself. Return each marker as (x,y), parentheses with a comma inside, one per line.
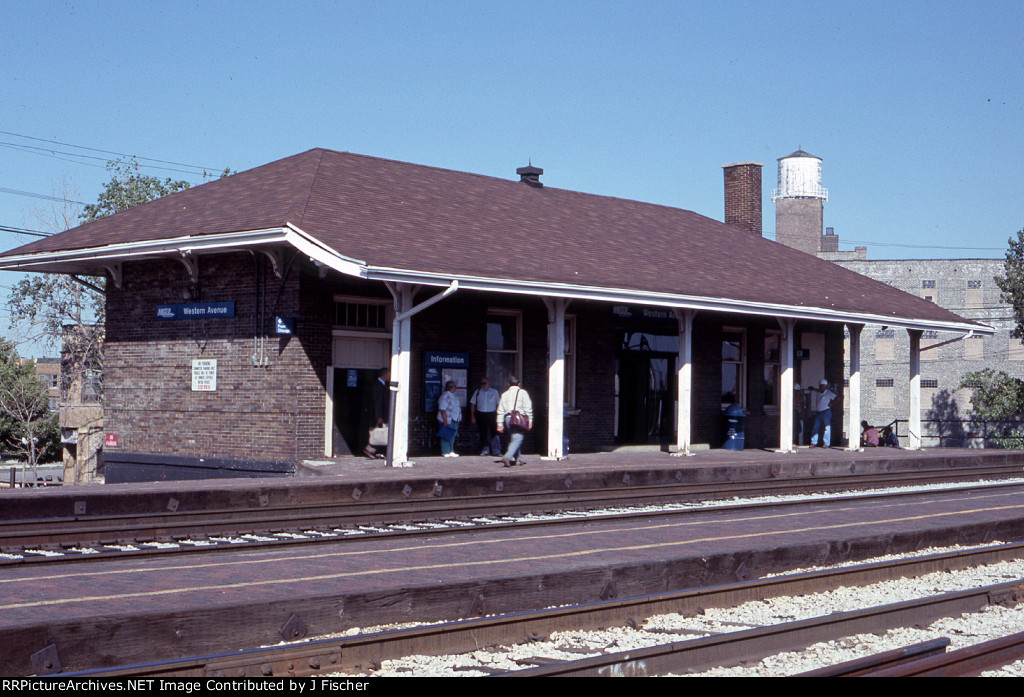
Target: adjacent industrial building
(964,286)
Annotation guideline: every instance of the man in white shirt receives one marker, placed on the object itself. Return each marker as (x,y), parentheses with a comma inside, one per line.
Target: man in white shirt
(483,411)
(823,400)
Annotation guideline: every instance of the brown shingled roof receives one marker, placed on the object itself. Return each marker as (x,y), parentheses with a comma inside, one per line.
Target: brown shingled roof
(411,217)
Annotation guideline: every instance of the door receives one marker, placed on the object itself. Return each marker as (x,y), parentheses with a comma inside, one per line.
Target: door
(357,361)
(646,398)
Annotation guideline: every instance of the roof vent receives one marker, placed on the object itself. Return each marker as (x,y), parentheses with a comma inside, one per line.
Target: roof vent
(530,175)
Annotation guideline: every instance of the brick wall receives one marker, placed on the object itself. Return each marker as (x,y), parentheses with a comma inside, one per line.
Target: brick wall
(275,410)
(965,286)
(265,412)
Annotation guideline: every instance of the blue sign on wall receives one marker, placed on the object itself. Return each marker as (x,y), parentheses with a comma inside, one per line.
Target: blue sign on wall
(284,325)
(438,368)
(219,310)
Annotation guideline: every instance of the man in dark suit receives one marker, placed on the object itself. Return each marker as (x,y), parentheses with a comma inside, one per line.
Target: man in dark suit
(381,405)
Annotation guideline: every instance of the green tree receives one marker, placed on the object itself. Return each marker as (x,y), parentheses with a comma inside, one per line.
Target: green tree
(128,187)
(998,398)
(41,306)
(1011,283)
(28,426)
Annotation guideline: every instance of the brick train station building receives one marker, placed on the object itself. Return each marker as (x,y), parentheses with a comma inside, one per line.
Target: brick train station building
(247,318)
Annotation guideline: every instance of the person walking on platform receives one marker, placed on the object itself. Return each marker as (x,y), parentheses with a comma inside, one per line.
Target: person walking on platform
(483,412)
(515,413)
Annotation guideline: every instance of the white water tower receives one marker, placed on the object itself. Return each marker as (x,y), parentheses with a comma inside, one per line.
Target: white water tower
(799,202)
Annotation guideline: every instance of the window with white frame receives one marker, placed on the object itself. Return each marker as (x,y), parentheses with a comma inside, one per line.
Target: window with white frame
(504,342)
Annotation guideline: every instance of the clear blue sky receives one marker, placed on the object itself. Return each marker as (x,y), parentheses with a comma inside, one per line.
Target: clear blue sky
(916,108)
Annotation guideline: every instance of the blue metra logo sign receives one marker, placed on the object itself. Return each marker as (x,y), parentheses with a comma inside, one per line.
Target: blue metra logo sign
(219,310)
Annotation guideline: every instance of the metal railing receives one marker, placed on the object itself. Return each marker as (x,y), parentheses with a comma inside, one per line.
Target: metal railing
(963,433)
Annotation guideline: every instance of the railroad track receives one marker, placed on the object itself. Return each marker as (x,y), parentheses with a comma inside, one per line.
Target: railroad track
(930,660)
(95,538)
(362,652)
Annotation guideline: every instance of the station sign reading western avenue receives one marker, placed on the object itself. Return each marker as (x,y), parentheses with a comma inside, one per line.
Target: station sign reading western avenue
(219,310)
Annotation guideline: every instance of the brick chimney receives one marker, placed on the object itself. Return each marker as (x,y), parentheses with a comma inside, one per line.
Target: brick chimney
(743,195)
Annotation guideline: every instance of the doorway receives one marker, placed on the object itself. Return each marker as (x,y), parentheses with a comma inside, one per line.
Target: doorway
(356,361)
(646,399)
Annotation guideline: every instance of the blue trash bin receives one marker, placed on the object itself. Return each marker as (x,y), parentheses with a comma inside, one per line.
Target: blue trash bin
(734,428)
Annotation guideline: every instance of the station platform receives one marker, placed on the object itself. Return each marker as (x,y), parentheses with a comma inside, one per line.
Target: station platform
(363,479)
(109,612)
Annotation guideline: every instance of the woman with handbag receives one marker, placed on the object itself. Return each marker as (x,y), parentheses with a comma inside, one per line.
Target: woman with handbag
(515,413)
(449,413)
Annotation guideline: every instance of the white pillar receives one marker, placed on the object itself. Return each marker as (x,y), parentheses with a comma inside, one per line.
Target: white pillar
(684,381)
(786,383)
(556,376)
(914,420)
(854,427)
(329,411)
(401,335)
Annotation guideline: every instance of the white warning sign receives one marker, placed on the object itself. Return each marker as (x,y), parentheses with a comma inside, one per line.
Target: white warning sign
(204,375)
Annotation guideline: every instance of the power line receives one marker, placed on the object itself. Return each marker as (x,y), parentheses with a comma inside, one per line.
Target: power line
(111,152)
(907,246)
(923,246)
(52,153)
(45,197)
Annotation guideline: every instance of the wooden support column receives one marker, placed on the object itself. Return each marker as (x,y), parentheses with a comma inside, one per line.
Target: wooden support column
(401,341)
(854,426)
(329,411)
(914,419)
(786,383)
(556,376)
(684,381)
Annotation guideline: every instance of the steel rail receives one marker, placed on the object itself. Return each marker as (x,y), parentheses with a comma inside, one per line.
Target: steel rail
(186,524)
(362,652)
(968,661)
(205,526)
(754,644)
(879,661)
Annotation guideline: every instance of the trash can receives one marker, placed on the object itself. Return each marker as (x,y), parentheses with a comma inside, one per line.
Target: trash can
(733,428)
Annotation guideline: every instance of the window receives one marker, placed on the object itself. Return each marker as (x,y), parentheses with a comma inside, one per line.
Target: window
(928,290)
(734,367)
(504,338)
(360,313)
(884,345)
(1015,349)
(928,340)
(929,391)
(975,294)
(883,393)
(974,348)
(570,361)
(772,368)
